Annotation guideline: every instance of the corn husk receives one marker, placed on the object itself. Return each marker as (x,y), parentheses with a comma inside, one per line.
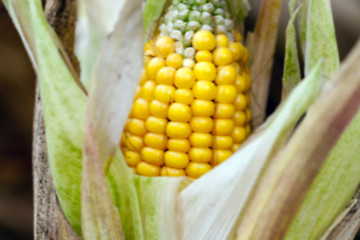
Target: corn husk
(83,132)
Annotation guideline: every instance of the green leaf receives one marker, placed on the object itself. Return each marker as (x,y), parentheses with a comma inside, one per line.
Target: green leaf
(124,194)
(158,199)
(319,33)
(338,179)
(217,199)
(152,12)
(292,74)
(64,111)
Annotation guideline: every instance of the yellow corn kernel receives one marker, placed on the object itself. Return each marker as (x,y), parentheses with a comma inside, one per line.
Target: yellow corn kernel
(200,155)
(205,71)
(201,140)
(147,90)
(222,142)
(201,124)
(138,92)
(248,82)
(203,56)
(245,56)
(136,127)
(204,90)
(226,94)
(238,36)
(196,170)
(166,76)
(222,56)
(188,63)
(153,156)
(132,158)
(235,147)
(240,84)
(140,109)
(238,134)
(165,45)
(240,102)
(248,98)
(203,108)
(179,112)
(184,96)
(248,114)
(178,130)
(221,41)
(147,169)
(153,66)
(164,93)
(184,78)
(155,124)
(226,75)
(176,159)
(220,155)
(203,40)
(178,145)
(149,49)
(224,110)
(239,118)
(134,143)
(158,141)
(174,60)
(236,49)
(143,77)
(223,127)
(172,172)
(159,109)
(248,129)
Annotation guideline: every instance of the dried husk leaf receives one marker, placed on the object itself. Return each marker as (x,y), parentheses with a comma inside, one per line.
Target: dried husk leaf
(64,111)
(290,174)
(292,74)
(263,51)
(210,207)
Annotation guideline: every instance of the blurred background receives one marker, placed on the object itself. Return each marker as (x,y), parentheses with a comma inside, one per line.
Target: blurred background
(17,88)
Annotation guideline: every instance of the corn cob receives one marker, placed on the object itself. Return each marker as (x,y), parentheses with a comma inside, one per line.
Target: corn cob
(191,109)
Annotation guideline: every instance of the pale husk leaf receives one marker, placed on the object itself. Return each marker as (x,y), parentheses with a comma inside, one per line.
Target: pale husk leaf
(96,19)
(100,219)
(211,206)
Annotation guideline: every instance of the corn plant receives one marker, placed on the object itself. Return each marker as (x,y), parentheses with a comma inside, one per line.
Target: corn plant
(172,88)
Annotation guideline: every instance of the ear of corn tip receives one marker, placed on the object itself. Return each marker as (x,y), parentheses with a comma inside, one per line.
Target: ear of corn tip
(191,109)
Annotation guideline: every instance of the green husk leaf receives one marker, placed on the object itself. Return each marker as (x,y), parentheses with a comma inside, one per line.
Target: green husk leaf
(292,74)
(158,198)
(320,41)
(121,183)
(262,57)
(96,19)
(289,175)
(152,12)
(100,219)
(335,184)
(239,8)
(64,111)
(222,200)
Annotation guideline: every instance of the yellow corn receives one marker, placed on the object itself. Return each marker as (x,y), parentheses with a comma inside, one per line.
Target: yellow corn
(191,109)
